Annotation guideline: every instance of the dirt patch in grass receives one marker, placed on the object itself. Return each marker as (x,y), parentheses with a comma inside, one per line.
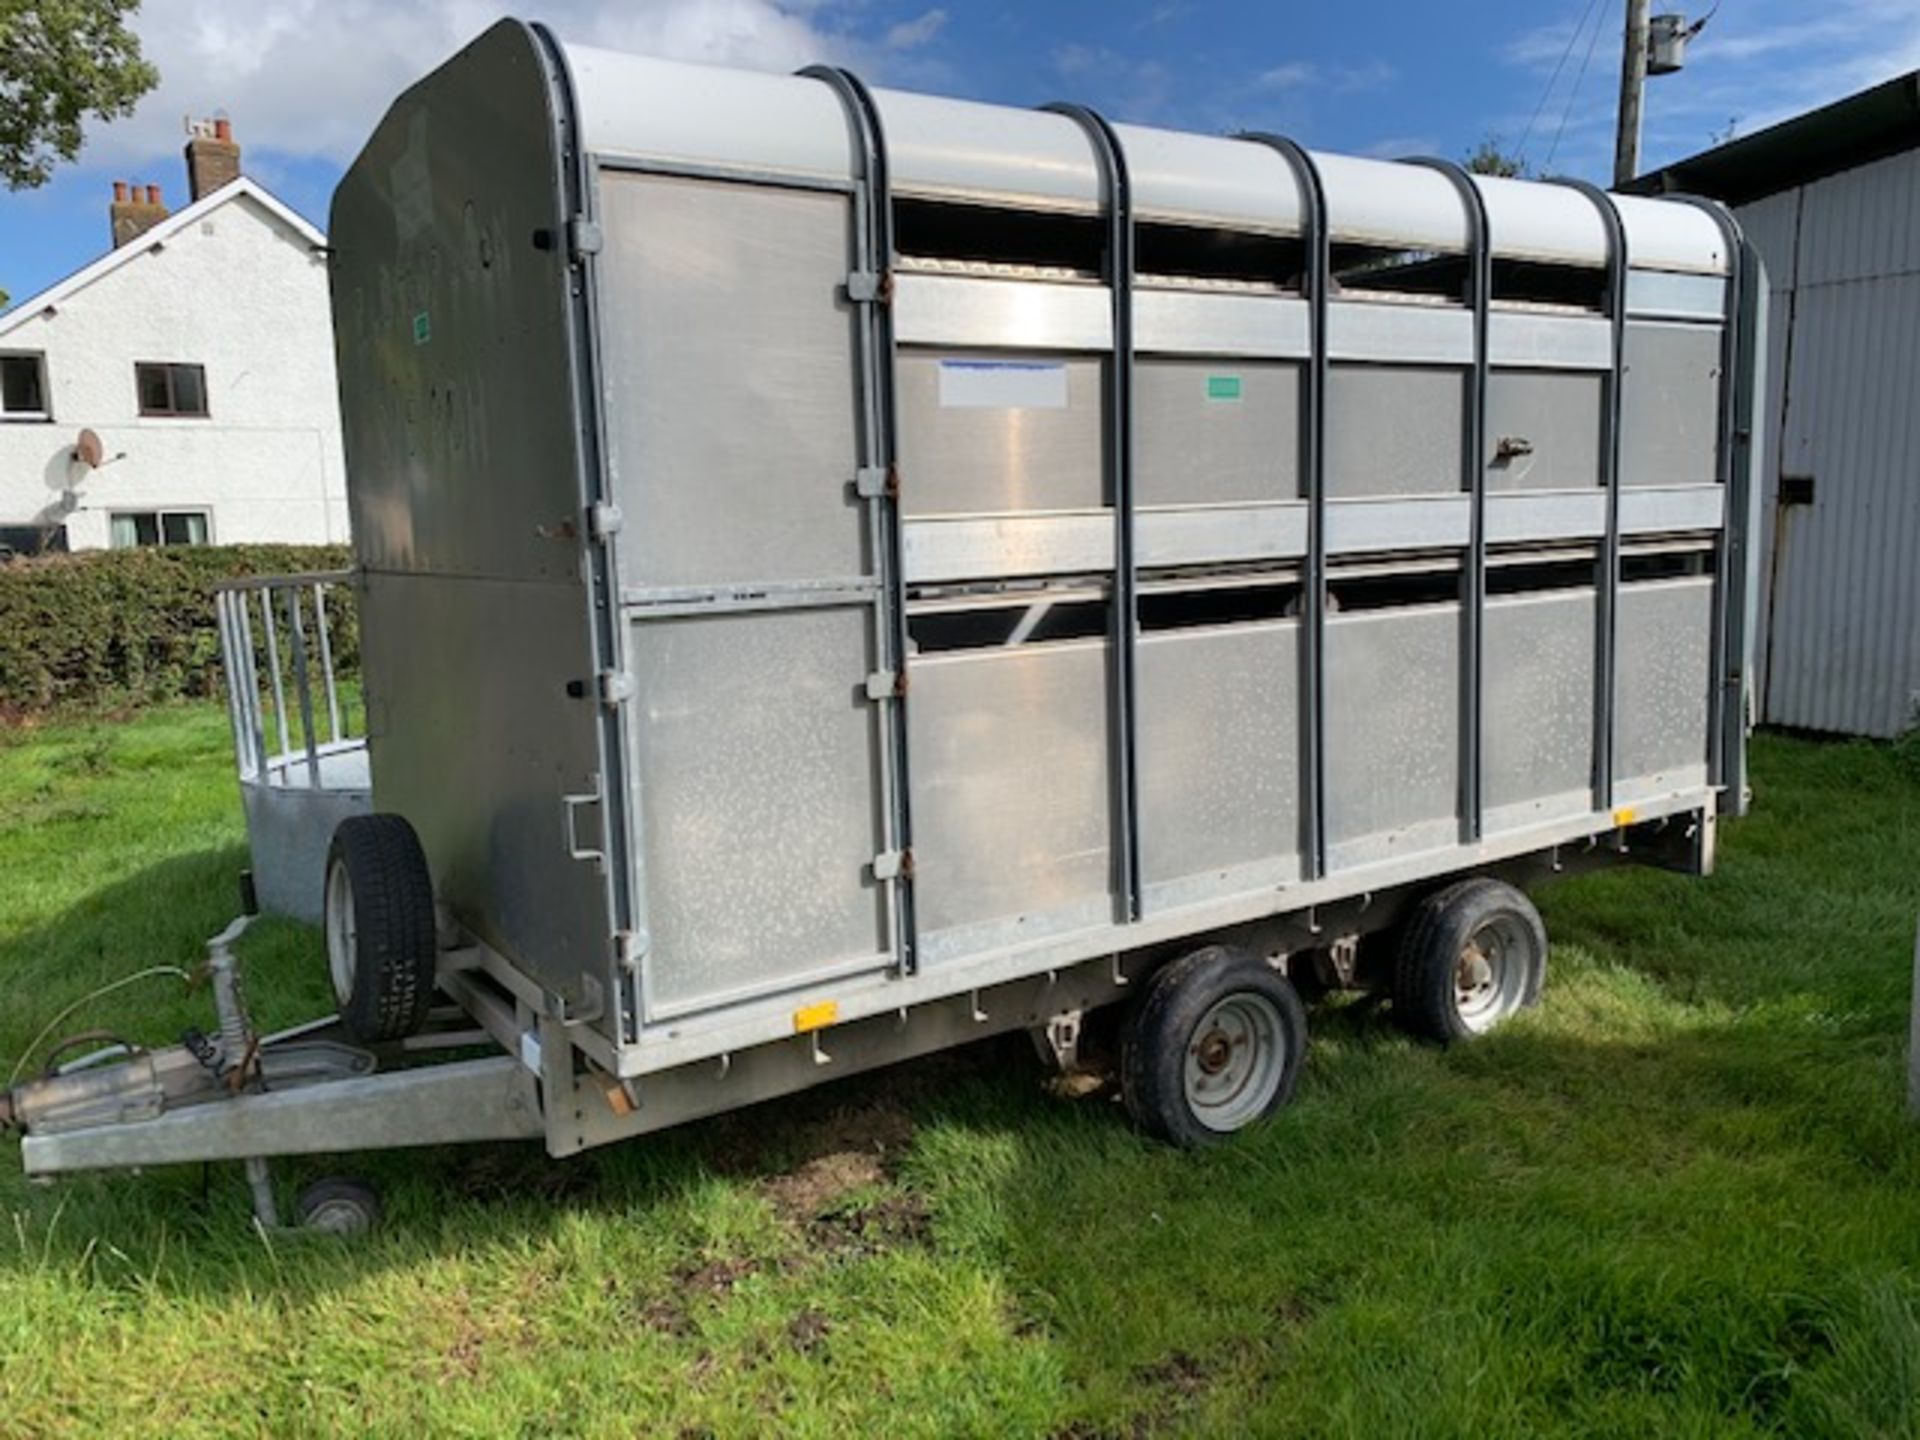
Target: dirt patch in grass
(710,1280)
(1180,1372)
(836,1193)
(815,1187)
(886,1223)
(808,1330)
(835,1155)
(839,1193)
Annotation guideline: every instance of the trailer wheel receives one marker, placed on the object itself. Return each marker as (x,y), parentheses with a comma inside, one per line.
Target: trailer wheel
(1213,1046)
(338,1206)
(1472,955)
(380,933)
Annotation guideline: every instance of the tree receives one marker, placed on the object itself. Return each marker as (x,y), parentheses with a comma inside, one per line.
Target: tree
(61,61)
(1487,158)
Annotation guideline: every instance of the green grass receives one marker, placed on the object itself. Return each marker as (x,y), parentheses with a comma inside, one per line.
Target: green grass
(1683,1198)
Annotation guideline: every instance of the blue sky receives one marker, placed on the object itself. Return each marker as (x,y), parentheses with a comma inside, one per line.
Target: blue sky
(304,80)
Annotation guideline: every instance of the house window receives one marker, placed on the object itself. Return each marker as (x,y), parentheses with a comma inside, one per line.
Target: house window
(23,388)
(158,527)
(171,389)
(18,540)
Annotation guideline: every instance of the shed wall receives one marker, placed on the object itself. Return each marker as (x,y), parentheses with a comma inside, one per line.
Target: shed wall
(1840,638)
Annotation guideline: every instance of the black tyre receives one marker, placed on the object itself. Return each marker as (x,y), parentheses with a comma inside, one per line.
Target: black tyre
(338,1206)
(1472,955)
(1212,1046)
(379,927)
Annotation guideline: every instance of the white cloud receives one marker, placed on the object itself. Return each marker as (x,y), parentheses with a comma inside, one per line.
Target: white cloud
(1140,91)
(1398,147)
(911,34)
(1368,75)
(1290,76)
(310,78)
(1538,48)
(1340,79)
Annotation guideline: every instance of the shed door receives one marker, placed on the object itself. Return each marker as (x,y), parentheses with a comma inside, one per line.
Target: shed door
(1843,646)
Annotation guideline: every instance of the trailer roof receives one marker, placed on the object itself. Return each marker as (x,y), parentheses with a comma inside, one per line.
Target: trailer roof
(643,110)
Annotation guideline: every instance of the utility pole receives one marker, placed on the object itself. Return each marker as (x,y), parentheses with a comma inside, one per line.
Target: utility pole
(1633,79)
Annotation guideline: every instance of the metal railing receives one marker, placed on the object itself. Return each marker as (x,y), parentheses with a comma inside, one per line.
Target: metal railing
(274,631)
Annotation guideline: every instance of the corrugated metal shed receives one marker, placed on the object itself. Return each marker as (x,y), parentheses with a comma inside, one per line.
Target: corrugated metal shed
(1832,202)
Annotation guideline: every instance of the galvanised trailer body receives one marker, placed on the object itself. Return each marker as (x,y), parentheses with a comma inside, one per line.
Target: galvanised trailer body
(844,571)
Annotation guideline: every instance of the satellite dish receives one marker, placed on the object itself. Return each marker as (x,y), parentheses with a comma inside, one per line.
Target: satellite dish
(88,450)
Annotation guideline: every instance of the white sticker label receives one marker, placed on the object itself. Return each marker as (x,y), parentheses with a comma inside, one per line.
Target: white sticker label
(530,1050)
(1002,385)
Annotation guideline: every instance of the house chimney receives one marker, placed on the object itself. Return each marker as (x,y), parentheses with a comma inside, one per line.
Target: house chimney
(135,210)
(213,159)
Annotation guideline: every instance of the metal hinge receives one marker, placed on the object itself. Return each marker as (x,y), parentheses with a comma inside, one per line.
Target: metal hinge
(893,864)
(583,237)
(877,482)
(616,687)
(887,685)
(604,519)
(865,287)
(629,948)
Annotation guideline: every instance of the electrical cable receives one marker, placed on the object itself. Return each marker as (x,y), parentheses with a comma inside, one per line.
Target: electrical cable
(107,989)
(1574,94)
(1573,38)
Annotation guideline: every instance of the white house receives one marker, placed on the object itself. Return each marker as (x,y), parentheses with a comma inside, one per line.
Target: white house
(192,365)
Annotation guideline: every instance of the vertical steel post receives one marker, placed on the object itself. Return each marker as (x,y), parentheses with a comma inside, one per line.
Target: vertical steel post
(229,655)
(1125,626)
(1730,445)
(1474,598)
(273,670)
(1607,573)
(243,626)
(1316,284)
(879,455)
(326,660)
(302,684)
(574,199)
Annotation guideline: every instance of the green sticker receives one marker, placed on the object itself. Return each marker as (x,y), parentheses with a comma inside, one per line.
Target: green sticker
(423,331)
(1223,387)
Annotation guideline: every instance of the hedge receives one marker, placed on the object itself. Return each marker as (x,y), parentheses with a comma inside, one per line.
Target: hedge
(115,629)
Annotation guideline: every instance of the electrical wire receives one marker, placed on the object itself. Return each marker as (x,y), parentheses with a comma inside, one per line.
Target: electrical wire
(1574,94)
(107,989)
(1573,38)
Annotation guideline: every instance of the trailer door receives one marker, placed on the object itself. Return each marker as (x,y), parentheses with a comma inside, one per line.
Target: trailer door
(748,592)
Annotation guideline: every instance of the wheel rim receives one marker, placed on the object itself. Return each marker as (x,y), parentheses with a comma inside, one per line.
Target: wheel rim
(1490,977)
(1235,1061)
(341,931)
(339,1217)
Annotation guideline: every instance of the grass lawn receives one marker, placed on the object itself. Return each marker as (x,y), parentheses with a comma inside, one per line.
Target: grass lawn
(1681,1199)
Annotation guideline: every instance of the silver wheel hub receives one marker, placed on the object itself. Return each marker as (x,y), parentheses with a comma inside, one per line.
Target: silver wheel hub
(1235,1061)
(339,1217)
(1490,977)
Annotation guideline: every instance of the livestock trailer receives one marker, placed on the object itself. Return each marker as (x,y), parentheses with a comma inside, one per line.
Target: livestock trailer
(844,572)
